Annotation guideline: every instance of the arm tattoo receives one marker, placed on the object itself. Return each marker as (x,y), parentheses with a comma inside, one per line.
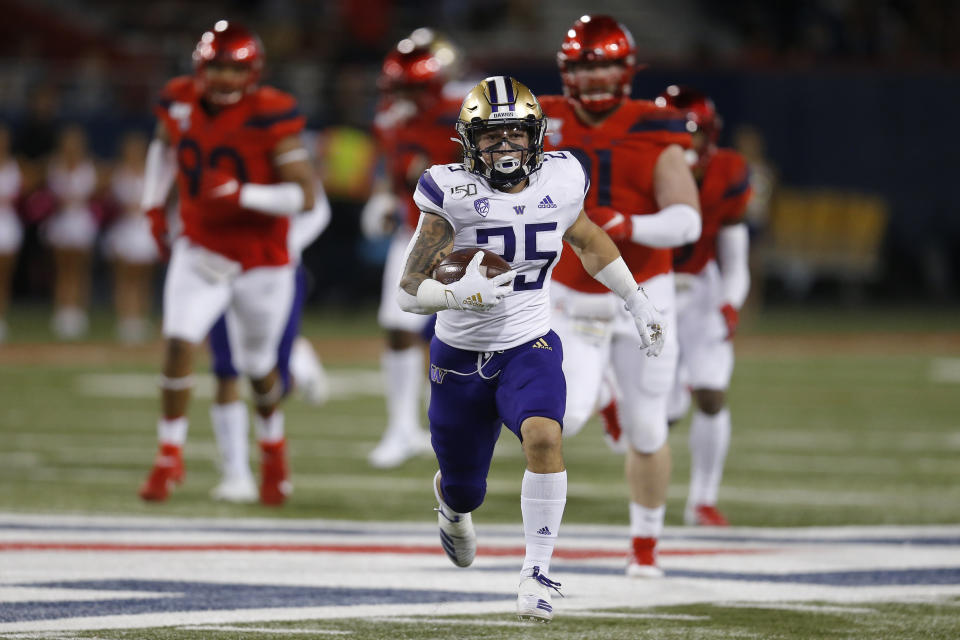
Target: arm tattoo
(434,243)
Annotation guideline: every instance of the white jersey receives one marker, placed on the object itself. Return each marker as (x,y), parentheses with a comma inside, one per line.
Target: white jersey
(524,228)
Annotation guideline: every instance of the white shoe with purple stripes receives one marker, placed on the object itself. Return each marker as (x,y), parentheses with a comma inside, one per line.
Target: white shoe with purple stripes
(533,596)
(457,536)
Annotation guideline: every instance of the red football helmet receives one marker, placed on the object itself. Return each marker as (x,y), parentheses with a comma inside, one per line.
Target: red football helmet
(597,39)
(701,117)
(231,43)
(421,63)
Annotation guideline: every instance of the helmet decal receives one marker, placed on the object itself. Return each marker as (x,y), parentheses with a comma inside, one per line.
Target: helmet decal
(701,116)
(501,103)
(597,39)
(228,42)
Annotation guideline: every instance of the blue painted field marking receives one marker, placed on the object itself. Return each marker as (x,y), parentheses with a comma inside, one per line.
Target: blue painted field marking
(867,578)
(214,596)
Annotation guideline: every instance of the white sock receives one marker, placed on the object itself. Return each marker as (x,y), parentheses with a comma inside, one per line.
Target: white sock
(403,383)
(542,498)
(646,522)
(709,441)
(172,431)
(269,429)
(231,424)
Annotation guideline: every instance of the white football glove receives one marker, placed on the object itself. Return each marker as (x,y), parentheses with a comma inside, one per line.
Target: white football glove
(649,321)
(476,292)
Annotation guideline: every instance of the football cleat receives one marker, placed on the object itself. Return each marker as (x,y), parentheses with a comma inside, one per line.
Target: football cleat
(533,596)
(240,489)
(457,536)
(643,560)
(275,483)
(704,515)
(395,449)
(167,472)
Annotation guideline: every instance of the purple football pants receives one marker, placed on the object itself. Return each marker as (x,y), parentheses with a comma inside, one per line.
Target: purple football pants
(472,394)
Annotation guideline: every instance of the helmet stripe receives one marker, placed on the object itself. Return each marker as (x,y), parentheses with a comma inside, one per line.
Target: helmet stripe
(494,98)
(508,89)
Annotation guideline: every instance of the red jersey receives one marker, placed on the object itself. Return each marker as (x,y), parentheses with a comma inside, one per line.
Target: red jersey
(411,144)
(724,193)
(238,140)
(619,156)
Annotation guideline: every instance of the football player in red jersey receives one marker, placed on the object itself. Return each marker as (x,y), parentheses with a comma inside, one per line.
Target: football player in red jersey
(234,149)
(412,128)
(713,279)
(644,196)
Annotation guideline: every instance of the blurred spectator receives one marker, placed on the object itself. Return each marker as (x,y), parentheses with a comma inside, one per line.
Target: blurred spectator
(346,156)
(36,135)
(129,244)
(749,142)
(71,232)
(11,231)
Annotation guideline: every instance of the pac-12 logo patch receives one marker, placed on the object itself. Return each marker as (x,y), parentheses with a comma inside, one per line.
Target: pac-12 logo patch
(482,205)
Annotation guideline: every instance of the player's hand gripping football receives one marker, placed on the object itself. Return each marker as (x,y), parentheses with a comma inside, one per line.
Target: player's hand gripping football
(219,194)
(649,322)
(476,292)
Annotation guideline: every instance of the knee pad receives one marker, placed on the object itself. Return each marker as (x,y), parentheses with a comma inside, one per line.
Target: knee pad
(464,497)
(645,435)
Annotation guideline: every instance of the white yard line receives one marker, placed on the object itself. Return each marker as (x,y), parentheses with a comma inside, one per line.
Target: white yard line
(945,370)
(277,630)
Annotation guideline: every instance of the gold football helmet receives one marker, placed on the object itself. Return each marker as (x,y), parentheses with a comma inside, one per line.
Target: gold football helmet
(500,102)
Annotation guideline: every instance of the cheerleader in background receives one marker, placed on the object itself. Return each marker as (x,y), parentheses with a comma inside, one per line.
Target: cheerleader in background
(71,232)
(11,231)
(129,244)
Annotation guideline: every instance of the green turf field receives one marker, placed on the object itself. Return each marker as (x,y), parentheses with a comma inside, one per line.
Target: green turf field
(835,423)
(822,436)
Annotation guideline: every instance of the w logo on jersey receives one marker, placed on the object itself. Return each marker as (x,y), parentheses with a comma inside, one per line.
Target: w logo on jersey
(547,203)
(519,209)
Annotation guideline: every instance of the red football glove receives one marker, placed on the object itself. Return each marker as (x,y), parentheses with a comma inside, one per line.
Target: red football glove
(617,225)
(732,316)
(219,194)
(158,228)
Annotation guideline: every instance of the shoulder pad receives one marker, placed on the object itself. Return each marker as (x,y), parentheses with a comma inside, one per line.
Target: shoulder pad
(276,111)
(552,103)
(179,89)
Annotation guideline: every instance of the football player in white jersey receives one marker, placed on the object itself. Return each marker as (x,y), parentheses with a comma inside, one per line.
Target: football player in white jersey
(494,359)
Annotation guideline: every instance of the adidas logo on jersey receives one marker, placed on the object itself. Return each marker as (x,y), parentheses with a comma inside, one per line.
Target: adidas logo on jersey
(543,531)
(547,203)
(542,344)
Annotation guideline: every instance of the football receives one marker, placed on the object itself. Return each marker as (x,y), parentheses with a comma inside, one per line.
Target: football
(453,266)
